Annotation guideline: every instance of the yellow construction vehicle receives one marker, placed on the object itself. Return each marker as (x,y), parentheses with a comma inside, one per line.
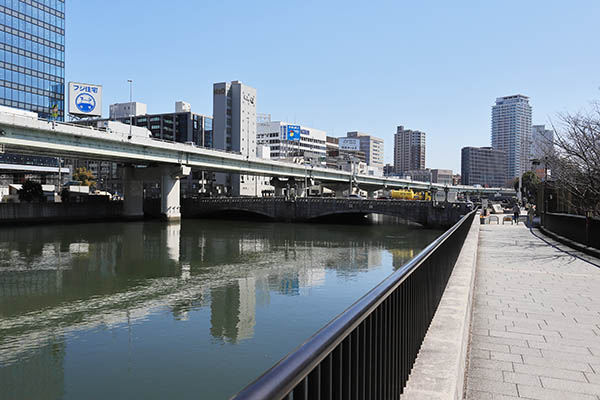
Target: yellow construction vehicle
(402,194)
(409,194)
(422,195)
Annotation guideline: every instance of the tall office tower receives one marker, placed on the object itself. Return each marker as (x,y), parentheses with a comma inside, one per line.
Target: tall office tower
(484,166)
(511,132)
(409,150)
(372,147)
(32,55)
(32,77)
(234,129)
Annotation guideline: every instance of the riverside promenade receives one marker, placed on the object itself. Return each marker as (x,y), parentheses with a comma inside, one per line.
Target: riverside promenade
(536,319)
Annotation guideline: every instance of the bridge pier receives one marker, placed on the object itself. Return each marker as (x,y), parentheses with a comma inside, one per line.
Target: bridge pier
(133,191)
(170,191)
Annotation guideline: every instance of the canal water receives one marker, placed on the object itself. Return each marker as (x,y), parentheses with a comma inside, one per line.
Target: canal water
(193,310)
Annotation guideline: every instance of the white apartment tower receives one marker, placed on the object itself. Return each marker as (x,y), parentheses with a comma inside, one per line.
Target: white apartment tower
(409,150)
(511,132)
(234,129)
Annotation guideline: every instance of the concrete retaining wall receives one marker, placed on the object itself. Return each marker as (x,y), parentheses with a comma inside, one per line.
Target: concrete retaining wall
(439,371)
(47,212)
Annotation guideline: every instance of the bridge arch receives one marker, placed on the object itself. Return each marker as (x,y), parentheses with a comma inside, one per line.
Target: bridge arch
(306,209)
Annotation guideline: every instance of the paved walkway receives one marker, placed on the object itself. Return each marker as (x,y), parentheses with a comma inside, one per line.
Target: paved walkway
(536,319)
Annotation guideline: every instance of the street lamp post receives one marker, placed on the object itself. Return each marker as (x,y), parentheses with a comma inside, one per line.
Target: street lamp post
(130,106)
(545,187)
(351,175)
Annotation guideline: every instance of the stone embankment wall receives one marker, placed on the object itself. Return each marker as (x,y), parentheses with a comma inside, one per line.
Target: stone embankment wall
(11,213)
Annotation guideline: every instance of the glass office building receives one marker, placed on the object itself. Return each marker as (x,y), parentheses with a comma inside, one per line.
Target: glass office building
(32,56)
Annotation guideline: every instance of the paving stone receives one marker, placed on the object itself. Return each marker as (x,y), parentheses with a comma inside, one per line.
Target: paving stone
(592,378)
(570,386)
(478,395)
(500,340)
(493,374)
(561,355)
(525,350)
(560,347)
(488,385)
(532,392)
(515,358)
(521,336)
(525,379)
(483,345)
(491,364)
(550,371)
(496,396)
(476,353)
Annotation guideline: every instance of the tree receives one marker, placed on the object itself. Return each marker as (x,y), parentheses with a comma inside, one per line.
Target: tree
(529,185)
(84,176)
(31,191)
(575,165)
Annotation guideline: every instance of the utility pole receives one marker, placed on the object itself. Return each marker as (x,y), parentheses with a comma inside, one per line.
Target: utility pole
(305,179)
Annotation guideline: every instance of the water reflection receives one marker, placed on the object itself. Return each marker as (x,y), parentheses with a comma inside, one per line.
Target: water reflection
(59,282)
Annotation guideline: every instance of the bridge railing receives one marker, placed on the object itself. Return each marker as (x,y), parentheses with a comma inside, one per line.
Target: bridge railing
(367,352)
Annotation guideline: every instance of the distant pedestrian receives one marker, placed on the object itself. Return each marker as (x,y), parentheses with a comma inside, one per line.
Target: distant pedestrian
(530,215)
(516,212)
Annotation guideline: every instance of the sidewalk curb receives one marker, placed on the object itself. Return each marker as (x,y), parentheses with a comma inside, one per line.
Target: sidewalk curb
(440,368)
(568,242)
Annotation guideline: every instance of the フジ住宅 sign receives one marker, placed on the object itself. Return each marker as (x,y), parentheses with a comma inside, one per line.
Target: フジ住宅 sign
(85,99)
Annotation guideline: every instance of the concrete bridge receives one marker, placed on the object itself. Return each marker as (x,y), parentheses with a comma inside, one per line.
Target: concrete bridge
(426,213)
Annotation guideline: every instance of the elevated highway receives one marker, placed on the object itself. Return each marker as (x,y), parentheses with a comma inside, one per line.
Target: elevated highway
(24,132)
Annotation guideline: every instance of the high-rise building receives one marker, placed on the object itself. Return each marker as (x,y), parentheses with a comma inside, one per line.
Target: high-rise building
(372,147)
(32,77)
(32,56)
(234,113)
(409,150)
(234,129)
(484,166)
(542,142)
(511,132)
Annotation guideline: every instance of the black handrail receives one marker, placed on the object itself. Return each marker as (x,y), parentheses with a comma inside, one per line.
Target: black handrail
(382,330)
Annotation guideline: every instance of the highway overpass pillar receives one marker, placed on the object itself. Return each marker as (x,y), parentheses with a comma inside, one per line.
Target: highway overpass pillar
(133,191)
(170,191)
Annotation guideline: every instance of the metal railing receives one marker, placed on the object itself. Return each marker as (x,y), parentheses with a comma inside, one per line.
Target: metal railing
(367,352)
(581,229)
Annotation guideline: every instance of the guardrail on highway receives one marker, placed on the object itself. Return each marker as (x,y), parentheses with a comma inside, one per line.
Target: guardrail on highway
(32,135)
(368,350)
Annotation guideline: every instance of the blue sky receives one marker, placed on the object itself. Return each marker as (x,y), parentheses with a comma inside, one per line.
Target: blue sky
(342,65)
